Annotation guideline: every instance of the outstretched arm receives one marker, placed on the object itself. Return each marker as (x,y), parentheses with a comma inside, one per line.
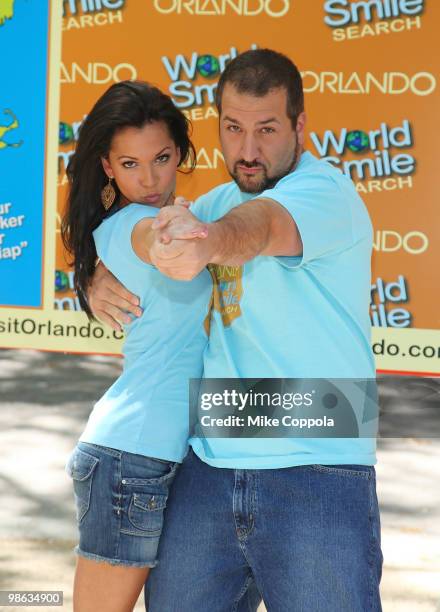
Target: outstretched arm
(184,246)
(257,227)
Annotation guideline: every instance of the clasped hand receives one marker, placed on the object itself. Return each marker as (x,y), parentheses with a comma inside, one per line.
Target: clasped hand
(180,248)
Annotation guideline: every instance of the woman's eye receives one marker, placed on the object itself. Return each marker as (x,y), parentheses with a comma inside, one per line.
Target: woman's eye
(129,164)
(163,158)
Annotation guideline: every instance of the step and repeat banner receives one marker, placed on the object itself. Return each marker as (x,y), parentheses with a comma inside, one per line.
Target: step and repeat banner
(370,74)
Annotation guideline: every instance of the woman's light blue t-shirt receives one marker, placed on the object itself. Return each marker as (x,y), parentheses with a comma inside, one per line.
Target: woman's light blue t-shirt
(294,317)
(146,410)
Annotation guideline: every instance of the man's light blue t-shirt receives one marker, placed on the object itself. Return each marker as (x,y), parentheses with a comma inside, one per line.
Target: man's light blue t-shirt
(294,317)
(146,410)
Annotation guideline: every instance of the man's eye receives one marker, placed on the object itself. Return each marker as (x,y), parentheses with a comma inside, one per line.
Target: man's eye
(233,128)
(267,130)
(129,164)
(162,159)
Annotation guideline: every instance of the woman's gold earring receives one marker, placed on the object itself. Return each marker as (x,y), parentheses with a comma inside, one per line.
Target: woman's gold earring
(108,194)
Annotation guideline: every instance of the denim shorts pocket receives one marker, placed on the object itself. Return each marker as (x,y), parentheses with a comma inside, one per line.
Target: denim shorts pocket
(80,468)
(350,470)
(154,473)
(145,511)
(164,469)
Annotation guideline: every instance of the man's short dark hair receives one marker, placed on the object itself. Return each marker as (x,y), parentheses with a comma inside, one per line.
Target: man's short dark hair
(258,71)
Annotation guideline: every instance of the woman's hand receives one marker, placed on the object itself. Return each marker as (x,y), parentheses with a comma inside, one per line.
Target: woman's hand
(110,301)
(178,223)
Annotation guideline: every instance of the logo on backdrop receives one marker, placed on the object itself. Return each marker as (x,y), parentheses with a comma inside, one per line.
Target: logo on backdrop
(376,156)
(68,132)
(97,73)
(73,7)
(243,8)
(352,20)
(64,283)
(385,294)
(388,83)
(186,74)
(67,136)
(208,159)
(390,241)
(78,14)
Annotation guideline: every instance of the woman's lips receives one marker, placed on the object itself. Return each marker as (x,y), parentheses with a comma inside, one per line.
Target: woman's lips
(152,199)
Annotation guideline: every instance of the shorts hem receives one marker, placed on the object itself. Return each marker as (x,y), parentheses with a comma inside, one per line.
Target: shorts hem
(98,558)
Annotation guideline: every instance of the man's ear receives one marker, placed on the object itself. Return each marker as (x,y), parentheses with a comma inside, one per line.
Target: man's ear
(107,167)
(300,127)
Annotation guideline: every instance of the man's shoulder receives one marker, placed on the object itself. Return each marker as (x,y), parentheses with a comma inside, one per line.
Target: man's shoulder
(215,202)
(312,170)
(220,191)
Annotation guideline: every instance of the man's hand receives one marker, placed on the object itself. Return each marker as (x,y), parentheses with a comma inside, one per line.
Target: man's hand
(110,301)
(181,259)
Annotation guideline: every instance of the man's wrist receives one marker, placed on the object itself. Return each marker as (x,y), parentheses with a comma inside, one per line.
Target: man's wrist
(216,239)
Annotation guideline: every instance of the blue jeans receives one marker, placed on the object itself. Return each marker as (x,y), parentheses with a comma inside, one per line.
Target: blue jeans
(120,501)
(302,539)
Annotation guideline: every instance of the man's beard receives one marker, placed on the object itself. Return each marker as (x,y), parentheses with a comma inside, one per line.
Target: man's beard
(265,182)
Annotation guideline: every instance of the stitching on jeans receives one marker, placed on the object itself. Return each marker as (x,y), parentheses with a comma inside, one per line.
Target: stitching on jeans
(241,593)
(341,471)
(89,482)
(373,543)
(120,505)
(253,504)
(113,452)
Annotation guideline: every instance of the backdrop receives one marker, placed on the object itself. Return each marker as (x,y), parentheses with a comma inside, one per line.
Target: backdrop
(370,74)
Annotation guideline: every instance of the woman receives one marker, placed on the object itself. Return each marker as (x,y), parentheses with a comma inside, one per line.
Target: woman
(122,172)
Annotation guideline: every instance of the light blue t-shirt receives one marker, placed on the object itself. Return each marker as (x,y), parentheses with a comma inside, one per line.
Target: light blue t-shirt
(294,317)
(146,410)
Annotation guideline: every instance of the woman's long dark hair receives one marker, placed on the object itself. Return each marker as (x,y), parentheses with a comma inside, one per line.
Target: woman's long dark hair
(125,104)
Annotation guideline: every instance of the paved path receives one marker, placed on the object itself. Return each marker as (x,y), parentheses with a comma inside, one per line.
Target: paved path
(45,399)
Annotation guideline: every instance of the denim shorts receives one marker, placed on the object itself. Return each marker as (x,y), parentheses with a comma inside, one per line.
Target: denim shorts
(120,501)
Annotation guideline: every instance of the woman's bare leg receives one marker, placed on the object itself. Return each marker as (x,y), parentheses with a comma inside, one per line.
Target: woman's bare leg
(102,587)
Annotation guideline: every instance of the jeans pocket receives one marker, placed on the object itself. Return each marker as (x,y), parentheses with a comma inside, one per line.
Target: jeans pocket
(80,468)
(362,471)
(145,512)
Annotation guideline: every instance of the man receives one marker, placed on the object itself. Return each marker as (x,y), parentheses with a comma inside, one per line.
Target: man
(292,520)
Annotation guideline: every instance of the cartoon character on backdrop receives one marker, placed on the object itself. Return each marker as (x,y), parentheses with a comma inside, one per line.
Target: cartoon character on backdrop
(6,10)
(12,126)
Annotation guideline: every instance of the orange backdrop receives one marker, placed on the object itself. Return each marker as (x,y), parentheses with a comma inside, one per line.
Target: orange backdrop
(370,76)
